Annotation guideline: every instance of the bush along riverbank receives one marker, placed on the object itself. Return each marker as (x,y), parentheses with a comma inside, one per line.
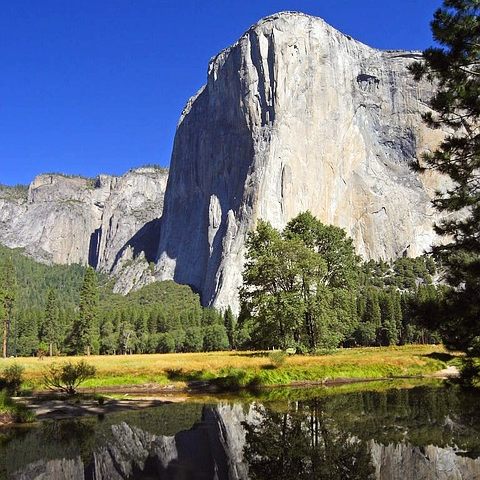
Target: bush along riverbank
(10,384)
(238,369)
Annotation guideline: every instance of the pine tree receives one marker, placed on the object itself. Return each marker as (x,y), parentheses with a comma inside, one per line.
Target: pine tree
(49,331)
(454,66)
(84,332)
(8,287)
(229,322)
(389,333)
(372,319)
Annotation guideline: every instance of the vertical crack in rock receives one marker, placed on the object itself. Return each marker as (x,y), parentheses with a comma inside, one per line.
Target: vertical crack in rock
(345,119)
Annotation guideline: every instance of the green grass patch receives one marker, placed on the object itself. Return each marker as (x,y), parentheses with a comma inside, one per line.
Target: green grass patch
(243,369)
(12,411)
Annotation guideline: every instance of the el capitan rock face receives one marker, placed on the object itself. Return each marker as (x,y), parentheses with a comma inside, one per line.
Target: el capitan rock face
(102,221)
(296,116)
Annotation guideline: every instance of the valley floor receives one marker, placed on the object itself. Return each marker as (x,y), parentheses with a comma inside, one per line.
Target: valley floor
(231,370)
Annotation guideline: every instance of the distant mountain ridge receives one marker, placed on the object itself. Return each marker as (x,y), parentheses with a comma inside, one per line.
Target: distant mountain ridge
(68,219)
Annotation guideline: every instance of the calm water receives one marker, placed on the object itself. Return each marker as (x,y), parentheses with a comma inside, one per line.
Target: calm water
(424,432)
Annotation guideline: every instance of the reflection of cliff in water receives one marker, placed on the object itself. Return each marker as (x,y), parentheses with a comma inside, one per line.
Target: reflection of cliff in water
(400,434)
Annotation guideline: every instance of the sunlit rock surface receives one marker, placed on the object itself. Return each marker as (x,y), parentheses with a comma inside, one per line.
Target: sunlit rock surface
(104,222)
(296,116)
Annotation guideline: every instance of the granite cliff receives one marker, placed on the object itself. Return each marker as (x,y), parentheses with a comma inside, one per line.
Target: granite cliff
(296,116)
(105,222)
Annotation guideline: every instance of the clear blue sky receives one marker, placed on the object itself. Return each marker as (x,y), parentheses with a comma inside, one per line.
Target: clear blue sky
(97,86)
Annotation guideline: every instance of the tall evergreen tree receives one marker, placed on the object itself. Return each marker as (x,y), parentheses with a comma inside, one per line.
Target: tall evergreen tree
(84,332)
(454,66)
(8,286)
(50,329)
(229,322)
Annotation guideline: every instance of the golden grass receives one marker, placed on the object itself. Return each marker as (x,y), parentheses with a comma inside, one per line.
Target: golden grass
(158,368)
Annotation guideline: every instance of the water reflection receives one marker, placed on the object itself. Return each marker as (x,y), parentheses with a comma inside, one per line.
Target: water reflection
(307,441)
(419,433)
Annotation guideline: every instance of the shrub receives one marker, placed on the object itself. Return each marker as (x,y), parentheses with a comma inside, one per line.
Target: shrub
(277,358)
(470,372)
(12,378)
(68,376)
(230,379)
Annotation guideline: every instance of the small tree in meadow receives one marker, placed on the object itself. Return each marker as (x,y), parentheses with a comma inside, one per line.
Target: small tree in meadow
(68,376)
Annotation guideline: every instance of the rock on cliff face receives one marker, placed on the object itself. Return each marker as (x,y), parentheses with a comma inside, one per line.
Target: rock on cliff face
(295,116)
(76,220)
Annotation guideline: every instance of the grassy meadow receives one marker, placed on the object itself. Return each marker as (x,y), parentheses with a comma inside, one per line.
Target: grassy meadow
(237,369)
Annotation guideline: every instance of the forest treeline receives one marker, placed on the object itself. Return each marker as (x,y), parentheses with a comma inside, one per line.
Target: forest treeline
(70,309)
(49,313)
(305,288)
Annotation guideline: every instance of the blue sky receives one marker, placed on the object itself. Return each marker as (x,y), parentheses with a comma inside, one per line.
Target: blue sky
(97,86)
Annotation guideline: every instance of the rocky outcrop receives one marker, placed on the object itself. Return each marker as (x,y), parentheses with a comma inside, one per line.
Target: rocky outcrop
(105,222)
(296,116)
(71,468)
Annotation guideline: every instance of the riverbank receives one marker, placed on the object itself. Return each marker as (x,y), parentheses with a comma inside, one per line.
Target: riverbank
(157,379)
(59,407)
(230,370)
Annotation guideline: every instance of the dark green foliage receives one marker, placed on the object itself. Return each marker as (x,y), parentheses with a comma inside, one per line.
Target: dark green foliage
(370,320)
(108,338)
(161,317)
(194,339)
(50,328)
(296,285)
(8,294)
(84,336)
(389,302)
(12,377)
(299,293)
(230,323)
(68,376)
(317,307)
(402,273)
(454,66)
(33,281)
(215,338)
(165,343)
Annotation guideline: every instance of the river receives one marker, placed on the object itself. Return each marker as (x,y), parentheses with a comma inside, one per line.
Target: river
(374,431)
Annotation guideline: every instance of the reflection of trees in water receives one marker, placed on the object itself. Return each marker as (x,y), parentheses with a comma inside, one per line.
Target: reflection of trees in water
(77,436)
(421,416)
(304,443)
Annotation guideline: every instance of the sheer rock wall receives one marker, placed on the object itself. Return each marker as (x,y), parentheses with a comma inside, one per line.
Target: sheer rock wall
(296,116)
